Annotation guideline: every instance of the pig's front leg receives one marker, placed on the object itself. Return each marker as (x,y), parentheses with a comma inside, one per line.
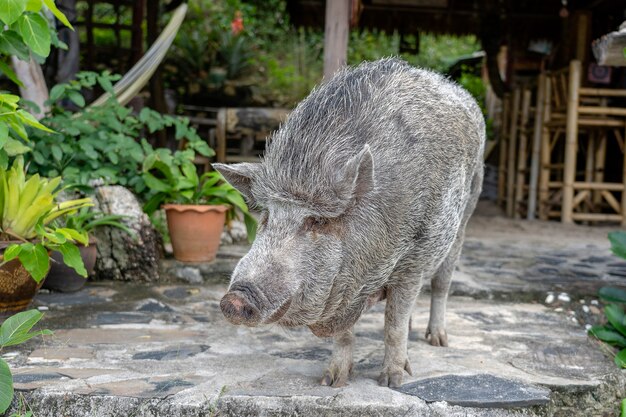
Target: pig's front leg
(340,366)
(400,300)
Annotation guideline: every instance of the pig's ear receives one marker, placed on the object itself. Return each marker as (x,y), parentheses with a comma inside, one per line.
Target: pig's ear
(240,176)
(358,177)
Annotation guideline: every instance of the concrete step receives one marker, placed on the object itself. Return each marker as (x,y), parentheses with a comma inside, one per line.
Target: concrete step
(127,349)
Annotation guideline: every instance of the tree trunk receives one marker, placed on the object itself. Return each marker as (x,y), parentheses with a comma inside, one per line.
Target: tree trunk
(34,85)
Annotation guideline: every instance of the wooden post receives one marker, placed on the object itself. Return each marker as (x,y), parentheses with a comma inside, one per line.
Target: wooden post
(220,133)
(546,152)
(571,139)
(137,30)
(600,158)
(521,157)
(510,179)
(623,212)
(504,123)
(337,27)
(536,148)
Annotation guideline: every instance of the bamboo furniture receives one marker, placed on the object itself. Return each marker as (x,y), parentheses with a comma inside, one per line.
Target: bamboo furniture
(577,118)
(241,132)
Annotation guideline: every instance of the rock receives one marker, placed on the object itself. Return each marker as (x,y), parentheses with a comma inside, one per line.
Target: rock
(121,256)
(483,390)
(234,233)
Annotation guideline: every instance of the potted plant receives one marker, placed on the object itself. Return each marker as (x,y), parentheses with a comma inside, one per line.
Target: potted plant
(62,277)
(27,209)
(196,207)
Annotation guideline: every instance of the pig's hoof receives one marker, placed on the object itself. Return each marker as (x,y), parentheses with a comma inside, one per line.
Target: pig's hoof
(438,337)
(391,376)
(336,377)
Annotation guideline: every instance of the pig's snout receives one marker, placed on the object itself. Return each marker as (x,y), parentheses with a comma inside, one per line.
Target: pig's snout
(239,305)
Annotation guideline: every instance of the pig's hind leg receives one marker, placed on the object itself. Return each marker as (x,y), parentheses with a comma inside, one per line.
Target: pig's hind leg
(440,286)
(340,366)
(400,300)
(440,283)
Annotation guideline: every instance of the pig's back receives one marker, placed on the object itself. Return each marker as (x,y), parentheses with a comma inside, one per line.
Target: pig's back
(422,129)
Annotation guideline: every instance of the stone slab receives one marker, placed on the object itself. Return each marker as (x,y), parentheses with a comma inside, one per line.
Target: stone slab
(482,390)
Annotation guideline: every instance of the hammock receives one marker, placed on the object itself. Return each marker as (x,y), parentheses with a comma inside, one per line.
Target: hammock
(139,75)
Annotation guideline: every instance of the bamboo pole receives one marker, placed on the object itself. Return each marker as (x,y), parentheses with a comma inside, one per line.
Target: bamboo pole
(536,148)
(571,138)
(580,197)
(506,104)
(612,201)
(510,179)
(521,158)
(600,158)
(597,217)
(610,186)
(545,152)
(623,213)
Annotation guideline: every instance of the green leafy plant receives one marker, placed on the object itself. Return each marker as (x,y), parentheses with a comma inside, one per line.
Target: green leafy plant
(614,332)
(107,142)
(86,220)
(174,179)
(24,32)
(14,331)
(27,209)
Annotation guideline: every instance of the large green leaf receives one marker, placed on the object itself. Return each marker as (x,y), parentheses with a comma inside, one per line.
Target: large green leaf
(57,13)
(30,120)
(11,75)
(613,295)
(17,328)
(13,147)
(11,252)
(615,316)
(72,258)
(34,5)
(36,261)
(11,10)
(608,335)
(6,386)
(34,30)
(618,243)
(11,44)
(620,358)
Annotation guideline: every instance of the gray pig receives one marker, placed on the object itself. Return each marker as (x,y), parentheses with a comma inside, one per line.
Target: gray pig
(365,191)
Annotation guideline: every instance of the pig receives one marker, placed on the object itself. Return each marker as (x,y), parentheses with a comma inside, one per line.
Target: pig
(364,193)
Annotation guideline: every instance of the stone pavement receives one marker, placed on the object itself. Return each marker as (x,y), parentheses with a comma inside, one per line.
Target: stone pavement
(123,349)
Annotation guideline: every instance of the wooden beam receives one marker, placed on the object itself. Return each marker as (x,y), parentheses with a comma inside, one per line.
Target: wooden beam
(337,27)
(522,156)
(571,138)
(536,148)
(512,149)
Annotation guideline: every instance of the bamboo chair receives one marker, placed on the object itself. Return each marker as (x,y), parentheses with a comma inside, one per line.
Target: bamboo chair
(578,114)
(239,130)
(515,150)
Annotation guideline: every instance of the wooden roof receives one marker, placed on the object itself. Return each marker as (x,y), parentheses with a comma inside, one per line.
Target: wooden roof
(539,17)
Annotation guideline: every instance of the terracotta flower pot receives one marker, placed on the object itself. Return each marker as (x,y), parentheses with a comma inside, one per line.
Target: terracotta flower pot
(195,230)
(17,287)
(63,278)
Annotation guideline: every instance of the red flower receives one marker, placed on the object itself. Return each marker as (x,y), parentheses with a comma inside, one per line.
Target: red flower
(236,26)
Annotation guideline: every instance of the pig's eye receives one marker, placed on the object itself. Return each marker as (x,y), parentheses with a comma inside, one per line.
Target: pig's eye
(314,223)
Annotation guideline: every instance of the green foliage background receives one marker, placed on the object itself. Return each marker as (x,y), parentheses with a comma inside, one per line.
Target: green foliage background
(279,63)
